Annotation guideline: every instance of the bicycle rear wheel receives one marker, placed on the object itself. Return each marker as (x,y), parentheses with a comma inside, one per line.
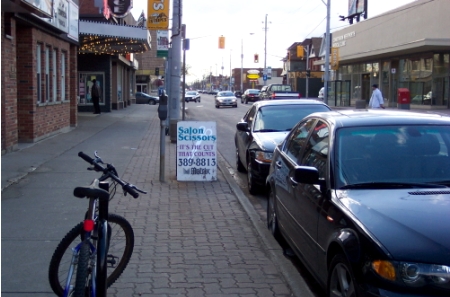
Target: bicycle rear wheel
(121,245)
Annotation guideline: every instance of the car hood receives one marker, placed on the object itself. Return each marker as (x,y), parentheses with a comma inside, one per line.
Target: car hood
(267,141)
(411,224)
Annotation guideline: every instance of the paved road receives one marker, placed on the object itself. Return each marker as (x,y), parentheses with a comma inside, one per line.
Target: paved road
(192,238)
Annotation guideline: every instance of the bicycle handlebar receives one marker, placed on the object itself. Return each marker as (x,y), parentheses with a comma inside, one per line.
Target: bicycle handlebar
(110,171)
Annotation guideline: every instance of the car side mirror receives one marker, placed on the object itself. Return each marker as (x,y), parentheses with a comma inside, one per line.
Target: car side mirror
(306,175)
(242,126)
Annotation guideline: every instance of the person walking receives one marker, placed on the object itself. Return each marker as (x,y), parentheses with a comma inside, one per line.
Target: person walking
(95,93)
(376,101)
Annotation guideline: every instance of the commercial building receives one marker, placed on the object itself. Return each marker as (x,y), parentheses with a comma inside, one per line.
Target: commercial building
(408,47)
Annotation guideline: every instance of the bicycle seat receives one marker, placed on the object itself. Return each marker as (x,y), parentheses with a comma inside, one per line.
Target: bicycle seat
(92,191)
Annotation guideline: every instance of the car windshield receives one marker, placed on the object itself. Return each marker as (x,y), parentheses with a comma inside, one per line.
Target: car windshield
(275,118)
(191,93)
(226,94)
(392,156)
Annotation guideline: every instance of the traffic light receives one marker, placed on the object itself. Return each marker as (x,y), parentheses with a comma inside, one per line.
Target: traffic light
(221,42)
(308,73)
(156,71)
(256,58)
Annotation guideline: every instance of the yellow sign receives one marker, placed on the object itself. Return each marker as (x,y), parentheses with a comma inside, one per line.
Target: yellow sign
(253,76)
(334,58)
(158,14)
(300,52)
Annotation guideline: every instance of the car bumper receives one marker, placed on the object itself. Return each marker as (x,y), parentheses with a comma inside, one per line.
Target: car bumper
(226,103)
(260,171)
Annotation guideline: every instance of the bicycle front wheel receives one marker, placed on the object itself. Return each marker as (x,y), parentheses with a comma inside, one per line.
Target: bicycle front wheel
(121,245)
(84,271)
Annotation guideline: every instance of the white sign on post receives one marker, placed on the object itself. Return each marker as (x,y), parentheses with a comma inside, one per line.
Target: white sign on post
(196,151)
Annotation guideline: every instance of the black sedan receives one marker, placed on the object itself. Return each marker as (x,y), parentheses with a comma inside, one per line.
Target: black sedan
(250,95)
(363,200)
(264,125)
(144,98)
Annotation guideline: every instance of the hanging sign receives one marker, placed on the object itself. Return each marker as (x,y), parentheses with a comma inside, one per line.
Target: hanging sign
(196,151)
(158,14)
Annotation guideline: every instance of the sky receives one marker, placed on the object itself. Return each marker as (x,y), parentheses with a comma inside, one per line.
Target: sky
(243,24)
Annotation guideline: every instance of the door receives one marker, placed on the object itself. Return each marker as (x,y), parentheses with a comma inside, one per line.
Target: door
(308,198)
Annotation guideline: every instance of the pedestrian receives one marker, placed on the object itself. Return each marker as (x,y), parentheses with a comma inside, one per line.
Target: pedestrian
(95,93)
(376,101)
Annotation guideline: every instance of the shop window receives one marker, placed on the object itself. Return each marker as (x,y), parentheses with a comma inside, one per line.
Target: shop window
(85,85)
(39,73)
(54,78)
(47,74)
(63,76)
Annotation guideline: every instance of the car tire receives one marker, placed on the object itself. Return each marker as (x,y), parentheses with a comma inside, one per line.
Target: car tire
(246,101)
(235,106)
(242,100)
(272,222)
(239,166)
(151,102)
(341,273)
(251,183)
(217,106)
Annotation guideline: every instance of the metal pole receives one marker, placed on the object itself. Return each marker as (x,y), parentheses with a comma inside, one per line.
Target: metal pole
(175,70)
(230,72)
(265,46)
(242,65)
(184,80)
(162,155)
(327,55)
(307,68)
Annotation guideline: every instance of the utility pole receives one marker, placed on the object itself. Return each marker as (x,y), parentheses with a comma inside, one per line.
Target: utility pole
(242,65)
(327,56)
(175,70)
(265,47)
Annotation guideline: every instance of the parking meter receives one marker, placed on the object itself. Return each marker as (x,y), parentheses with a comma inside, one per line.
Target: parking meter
(162,108)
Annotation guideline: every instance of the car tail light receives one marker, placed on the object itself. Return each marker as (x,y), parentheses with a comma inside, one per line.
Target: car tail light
(273,95)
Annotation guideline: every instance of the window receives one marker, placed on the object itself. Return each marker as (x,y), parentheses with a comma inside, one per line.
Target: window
(316,151)
(38,73)
(296,141)
(54,72)
(47,74)
(63,76)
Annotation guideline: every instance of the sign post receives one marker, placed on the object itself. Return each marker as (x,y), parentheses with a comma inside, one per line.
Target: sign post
(196,151)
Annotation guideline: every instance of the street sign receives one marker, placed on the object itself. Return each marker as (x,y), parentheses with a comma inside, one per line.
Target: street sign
(264,77)
(196,151)
(269,72)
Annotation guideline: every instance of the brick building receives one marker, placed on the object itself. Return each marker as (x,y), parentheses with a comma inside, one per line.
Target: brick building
(39,63)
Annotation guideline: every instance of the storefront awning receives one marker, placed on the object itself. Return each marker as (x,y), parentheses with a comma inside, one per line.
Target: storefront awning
(111,39)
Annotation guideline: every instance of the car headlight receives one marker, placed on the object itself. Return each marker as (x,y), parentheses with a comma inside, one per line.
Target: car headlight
(263,157)
(413,274)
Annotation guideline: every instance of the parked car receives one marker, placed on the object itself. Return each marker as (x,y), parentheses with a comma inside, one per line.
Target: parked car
(225,98)
(250,95)
(238,94)
(362,198)
(278,91)
(213,92)
(192,96)
(144,98)
(264,125)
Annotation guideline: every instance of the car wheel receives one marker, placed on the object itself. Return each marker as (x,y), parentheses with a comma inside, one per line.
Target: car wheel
(252,187)
(235,106)
(341,281)
(217,106)
(272,222)
(239,165)
(151,102)
(246,101)
(242,100)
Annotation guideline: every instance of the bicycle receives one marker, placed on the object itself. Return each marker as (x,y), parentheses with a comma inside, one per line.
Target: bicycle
(102,239)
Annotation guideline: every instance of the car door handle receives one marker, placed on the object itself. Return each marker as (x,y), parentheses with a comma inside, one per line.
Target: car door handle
(278,164)
(294,183)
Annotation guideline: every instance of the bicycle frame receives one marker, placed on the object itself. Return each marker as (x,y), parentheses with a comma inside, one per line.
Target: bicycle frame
(98,236)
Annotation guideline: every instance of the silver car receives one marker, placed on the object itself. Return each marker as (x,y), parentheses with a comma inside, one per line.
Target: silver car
(225,98)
